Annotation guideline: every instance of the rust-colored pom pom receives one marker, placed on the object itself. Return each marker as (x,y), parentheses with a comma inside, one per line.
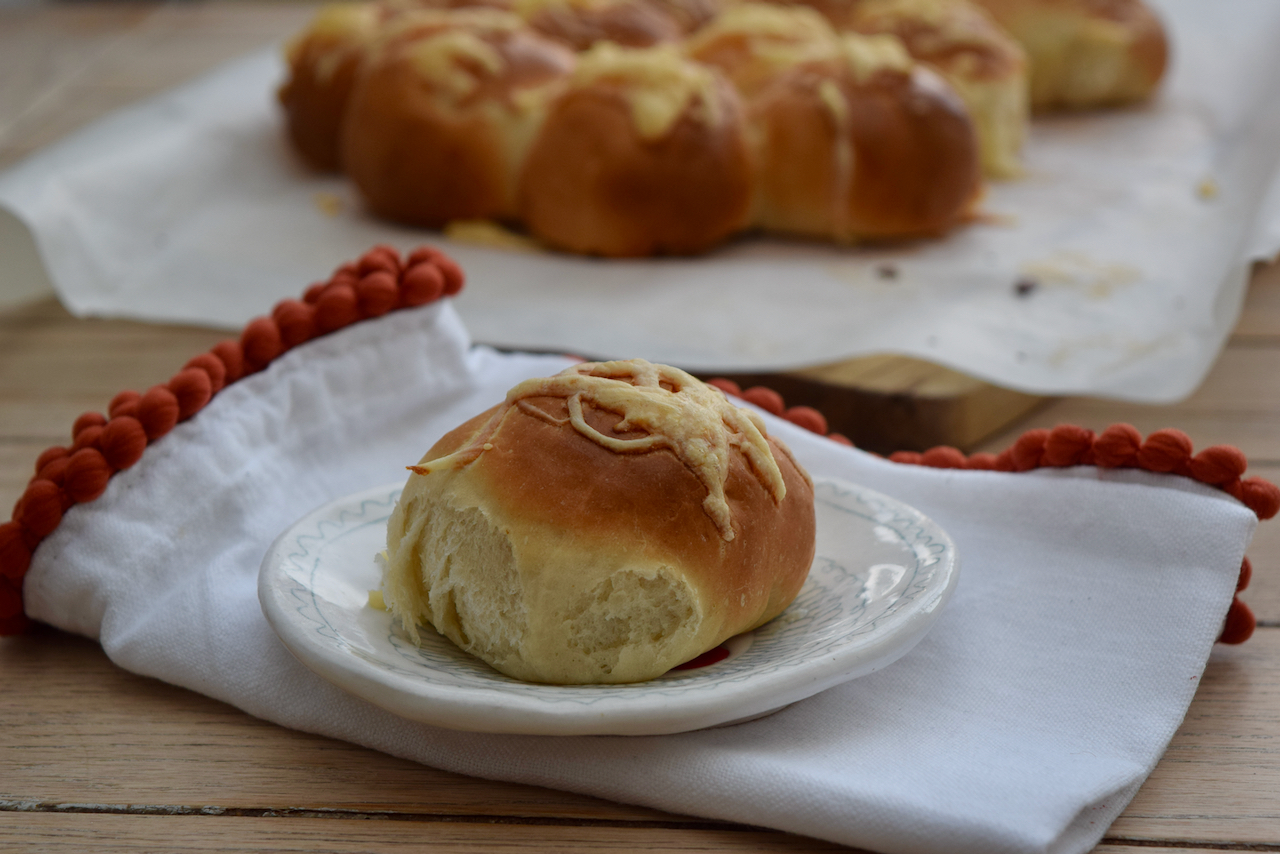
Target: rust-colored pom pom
(840,439)
(981,462)
(1027,452)
(808,418)
(124,403)
(122,442)
(261,344)
(87,438)
(87,475)
(1246,575)
(157,412)
(313,291)
(296,320)
(48,455)
(729,387)
(337,307)
(422,254)
(1004,460)
(40,507)
(54,470)
(377,293)
(765,398)
(212,366)
(1165,451)
(88,419)
(381,257)
(908,458)
(192,388)
(1239,625)
(10,602)
(422,283)
(1217,465)
(232,358)
(943,457)
(15,556)
(1067,445)
(14,626)
(1117,446)
(1260,496)
(454,278)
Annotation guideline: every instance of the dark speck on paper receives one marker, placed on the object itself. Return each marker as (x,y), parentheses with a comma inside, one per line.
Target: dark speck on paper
(887,271)
(1025,286)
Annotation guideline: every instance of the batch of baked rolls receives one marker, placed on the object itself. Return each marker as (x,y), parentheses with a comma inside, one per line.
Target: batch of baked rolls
(630,128)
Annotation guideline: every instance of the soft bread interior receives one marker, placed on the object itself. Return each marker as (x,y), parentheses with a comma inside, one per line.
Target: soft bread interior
(455,570)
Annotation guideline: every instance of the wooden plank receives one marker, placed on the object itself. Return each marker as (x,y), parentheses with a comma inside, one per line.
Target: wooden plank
(898,403)
(1220,777)
(52,832)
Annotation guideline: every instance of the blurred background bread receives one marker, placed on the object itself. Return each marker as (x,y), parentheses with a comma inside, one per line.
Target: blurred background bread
(1087,53)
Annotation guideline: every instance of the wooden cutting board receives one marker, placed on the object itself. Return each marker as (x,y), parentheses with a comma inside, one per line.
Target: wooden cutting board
(898,403)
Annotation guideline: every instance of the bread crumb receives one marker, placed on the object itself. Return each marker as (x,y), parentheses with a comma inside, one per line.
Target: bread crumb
(330,204)
(483,232)
(1207,189)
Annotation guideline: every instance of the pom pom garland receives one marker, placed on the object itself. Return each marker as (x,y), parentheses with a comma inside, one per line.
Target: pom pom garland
(104,444)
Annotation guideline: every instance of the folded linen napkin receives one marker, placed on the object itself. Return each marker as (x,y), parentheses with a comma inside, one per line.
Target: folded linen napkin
(1024,722)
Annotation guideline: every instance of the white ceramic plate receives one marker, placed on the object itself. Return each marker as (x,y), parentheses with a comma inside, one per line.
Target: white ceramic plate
(882,573)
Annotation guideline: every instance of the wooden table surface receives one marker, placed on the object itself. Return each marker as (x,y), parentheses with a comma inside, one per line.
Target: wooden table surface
(95,758)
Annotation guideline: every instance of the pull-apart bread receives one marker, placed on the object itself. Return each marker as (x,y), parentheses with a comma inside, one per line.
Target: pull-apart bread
(655,142)
(1086,53)
(601,525)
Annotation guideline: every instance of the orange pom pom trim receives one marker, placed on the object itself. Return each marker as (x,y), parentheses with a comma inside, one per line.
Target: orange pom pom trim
(104,444)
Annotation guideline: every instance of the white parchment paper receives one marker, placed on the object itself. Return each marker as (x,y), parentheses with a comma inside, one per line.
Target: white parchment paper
(1132,234)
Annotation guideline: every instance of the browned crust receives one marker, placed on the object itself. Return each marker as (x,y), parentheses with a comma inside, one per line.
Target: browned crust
(631,23)
(915,165)
(967,42)
(1148,48)
(592,185)
(418,161)
(314,104)
(541,478)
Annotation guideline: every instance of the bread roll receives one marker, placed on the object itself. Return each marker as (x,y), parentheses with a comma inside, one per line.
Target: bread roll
(868,145)
(1086,53)
(579,24)
(443,111)
(752,43)
(323,61)
(984,64)
(602,525)
(643,154)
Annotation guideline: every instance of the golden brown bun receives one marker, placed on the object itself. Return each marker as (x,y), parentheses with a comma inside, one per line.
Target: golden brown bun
(643,154)
(858,148)
(323,61)
(443,111)
(1086,53)
(987,67)
(579,25)
(556,558)
(752,43)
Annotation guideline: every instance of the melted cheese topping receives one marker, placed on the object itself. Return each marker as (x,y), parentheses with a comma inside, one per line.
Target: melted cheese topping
(339,20)
(673,410)
(658,82)
(869,55)
(777,36)
(529,8)
(442,60)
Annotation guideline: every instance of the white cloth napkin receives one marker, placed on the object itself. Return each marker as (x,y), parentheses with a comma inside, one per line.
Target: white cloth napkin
(1140,226)
(1024,722)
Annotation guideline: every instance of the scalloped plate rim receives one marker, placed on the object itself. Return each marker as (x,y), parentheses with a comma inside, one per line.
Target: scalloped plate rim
(495,703)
